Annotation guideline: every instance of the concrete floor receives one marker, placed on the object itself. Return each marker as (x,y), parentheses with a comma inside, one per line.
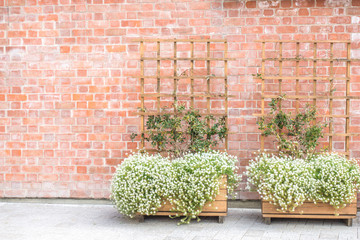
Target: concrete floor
(39,221)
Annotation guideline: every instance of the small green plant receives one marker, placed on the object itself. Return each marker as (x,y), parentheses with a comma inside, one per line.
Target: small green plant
(288,181)
(143,182)
(183,131)
(296,136)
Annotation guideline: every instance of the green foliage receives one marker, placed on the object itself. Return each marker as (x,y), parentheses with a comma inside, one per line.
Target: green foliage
(287,181)
(143,182)
(296,136)
(184,131)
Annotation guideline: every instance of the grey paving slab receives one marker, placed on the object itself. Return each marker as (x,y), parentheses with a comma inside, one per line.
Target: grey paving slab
(39,221)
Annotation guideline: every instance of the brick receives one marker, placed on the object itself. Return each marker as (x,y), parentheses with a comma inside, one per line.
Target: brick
(81,49)
(321,11)
(49,33)
(16,2)
(116,48)
(48,17)
(199,22)
(303,20)
(250,4)
(115,32)
(16,97)
(48,177)
(98,89)
(33,153)
(232,5)
(234,21)
(99,153)
(286,29)
(165,6)
(81,145)
(82,129)
(81,169)
(353,11)
(286,3)
(64,105)
(33,169)
(340,20)
(48,2)
(97,105)
(355,3)
(249,30)
(16,34)
(15,177)
(269,21)
(200,6)
(115,145)
(131,23)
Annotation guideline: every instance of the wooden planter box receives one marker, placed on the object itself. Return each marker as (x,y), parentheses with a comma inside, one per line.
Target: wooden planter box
(217,208)
(311,210)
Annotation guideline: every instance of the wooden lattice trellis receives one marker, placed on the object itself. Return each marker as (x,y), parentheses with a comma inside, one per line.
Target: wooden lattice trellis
(175,77)
(314,58)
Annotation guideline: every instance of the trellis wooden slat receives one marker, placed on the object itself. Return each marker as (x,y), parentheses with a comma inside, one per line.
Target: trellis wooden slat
(331,94)
(314,96)
(347,111)
(208,95)
(177,40)
(280,72)
(314,75)
(311,97)
(192,103)
(158,81)
(142,120)
(304,41)
(276,151)
(208,80)
(307,59)
(318,115)
(211,95)
(262,137)
(181,77)
(171,112)
(303,78)
(175,74)
(297,75)
(186,59)
(226,89)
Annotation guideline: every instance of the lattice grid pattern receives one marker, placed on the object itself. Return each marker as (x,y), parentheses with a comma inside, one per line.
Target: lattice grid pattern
(309,71)
(189,71)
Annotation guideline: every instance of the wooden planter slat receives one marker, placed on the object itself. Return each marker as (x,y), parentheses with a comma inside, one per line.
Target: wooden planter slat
(311,208)
(312,211)
(217,208)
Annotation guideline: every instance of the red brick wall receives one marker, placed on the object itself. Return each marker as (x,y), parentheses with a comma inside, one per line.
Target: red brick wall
(67,102)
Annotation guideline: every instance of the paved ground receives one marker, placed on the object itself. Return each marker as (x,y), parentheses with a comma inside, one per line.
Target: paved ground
(69,221)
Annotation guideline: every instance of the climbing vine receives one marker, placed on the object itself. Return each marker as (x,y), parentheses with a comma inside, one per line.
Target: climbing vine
(185,130)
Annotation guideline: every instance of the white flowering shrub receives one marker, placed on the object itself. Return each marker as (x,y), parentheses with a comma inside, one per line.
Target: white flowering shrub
(287,182)
(143,182)
(337,179)
(140,184)
(196,181)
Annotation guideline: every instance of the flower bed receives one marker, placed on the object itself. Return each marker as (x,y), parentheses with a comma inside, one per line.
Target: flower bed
(288,185)
(144,183)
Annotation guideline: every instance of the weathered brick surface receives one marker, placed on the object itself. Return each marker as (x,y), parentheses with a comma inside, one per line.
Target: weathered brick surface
(67,99)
